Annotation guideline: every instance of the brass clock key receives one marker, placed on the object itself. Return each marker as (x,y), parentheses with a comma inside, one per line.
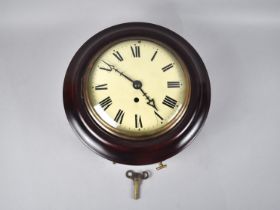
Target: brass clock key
(137,179)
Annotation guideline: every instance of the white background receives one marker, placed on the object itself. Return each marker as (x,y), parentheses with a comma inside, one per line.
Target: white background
(232,164)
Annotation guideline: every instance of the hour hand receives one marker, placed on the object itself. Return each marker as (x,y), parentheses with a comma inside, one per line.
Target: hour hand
(151,102)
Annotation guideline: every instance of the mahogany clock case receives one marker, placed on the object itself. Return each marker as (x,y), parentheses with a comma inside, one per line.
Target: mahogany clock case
(152,149)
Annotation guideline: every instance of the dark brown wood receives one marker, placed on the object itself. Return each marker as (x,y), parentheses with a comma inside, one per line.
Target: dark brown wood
(154,149)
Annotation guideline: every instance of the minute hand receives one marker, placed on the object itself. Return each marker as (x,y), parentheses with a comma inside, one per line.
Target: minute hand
(122,74)
(112,67)
(136,84)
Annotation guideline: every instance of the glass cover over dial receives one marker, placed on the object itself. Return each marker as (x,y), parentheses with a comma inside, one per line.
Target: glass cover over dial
(136,88)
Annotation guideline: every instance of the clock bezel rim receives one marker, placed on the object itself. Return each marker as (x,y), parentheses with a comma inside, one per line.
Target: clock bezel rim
(168,126)
(136,152)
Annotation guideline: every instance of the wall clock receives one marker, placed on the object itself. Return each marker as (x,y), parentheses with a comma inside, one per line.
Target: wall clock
(136,93)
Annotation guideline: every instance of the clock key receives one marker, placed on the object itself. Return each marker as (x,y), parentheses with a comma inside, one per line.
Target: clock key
(137,179)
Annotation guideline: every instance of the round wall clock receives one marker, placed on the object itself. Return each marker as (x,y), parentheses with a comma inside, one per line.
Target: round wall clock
(136,93)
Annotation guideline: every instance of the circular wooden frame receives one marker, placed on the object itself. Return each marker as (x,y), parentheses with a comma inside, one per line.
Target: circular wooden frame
(153,149)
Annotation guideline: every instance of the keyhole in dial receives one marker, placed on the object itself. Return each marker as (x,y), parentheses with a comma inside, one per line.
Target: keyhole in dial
(136,100)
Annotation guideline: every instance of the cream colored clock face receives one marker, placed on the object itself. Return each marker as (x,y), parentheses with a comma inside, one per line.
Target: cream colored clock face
(137,88)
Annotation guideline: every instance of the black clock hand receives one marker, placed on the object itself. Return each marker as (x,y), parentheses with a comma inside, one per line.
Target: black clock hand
(136,84)
(112,67)
(151,101)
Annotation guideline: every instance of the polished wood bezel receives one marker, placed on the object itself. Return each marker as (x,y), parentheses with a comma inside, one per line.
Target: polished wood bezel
(153,149)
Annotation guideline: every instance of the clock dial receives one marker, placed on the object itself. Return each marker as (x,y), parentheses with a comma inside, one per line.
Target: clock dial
(137,87)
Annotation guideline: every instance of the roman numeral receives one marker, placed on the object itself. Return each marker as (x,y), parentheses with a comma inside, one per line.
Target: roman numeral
(154,55)
(157,114)
(135,51)
(167,67)
(173,84)
(101,87)
(170,102)
(138,121)
(119,116)
(105,103)
(118,55)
